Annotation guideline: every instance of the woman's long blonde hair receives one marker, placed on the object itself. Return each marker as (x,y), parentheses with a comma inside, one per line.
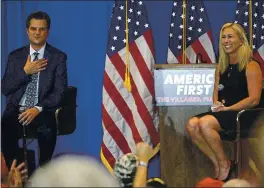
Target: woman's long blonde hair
(244,51)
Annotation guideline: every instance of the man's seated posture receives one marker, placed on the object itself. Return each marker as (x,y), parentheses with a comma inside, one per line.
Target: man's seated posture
(33,83)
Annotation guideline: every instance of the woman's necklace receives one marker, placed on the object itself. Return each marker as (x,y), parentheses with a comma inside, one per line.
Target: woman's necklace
(230,69)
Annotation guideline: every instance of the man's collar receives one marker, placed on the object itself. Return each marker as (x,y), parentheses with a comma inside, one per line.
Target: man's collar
(41,50)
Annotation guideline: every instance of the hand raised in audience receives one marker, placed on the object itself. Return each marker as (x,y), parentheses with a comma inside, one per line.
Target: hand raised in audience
(17,175)
(144,151)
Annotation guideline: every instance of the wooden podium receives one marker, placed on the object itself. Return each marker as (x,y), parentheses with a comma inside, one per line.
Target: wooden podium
(182,163)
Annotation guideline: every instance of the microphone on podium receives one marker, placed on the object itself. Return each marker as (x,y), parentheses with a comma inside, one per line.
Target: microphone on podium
(199,56)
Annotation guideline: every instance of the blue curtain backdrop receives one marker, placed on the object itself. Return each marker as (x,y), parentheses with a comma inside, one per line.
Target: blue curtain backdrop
(80,28)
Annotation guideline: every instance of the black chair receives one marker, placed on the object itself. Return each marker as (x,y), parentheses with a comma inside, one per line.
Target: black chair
(245,117)
(66,113)
(65,120)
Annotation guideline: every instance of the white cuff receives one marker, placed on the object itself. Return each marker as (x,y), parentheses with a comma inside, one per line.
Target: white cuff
(39,108)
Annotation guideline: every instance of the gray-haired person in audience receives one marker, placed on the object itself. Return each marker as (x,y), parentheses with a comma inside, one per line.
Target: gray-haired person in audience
(72,171)
(125,170)
(237,183)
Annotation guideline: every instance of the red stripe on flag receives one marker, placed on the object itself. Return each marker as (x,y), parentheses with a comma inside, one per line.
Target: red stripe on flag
(122,100)
(179,58)
(115,133)
(119,65)
(209,33)
(143,111)
(261,62)
(122,106)
(142,67)
(145,115)
(199,48)
(107,154)
(148,37)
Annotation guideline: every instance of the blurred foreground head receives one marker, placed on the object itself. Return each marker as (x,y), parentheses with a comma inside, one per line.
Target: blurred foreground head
(257,142)
(155,183)
(209,182)
(72,171)
(237,183)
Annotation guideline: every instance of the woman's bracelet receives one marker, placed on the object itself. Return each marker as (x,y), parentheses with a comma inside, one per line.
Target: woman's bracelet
(142,163)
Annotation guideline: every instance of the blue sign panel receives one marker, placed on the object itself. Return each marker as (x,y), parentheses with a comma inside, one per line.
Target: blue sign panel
(184,87)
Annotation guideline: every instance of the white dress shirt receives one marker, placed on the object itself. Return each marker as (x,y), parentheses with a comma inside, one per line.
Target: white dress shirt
(40,56)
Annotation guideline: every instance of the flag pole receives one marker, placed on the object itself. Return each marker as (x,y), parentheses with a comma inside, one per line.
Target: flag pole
(127,83)
(250,24)
(184,5)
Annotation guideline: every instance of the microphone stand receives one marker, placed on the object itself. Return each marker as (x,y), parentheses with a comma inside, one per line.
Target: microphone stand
(199,56)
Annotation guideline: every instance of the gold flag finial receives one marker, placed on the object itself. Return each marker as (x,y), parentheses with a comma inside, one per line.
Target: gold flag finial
(184,6)
(250,24)
(127,82)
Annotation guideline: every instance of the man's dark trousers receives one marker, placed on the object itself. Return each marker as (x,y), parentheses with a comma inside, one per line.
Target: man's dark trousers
(44,126)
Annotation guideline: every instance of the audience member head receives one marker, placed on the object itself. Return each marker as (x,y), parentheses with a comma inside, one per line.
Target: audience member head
(72,171)
(233,41)
(237,183)
(155,183)
(209,182)
(125,169)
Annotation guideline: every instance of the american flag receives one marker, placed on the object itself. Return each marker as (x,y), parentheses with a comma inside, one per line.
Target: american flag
(128,117)
(198,33)
(242,18)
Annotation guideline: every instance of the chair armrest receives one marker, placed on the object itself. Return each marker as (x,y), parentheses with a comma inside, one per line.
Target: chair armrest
(65,117)
(248,110)
(255,111)
(57,118)
(251,110)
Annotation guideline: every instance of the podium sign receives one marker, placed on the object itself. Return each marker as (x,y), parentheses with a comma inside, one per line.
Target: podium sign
(184,87)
